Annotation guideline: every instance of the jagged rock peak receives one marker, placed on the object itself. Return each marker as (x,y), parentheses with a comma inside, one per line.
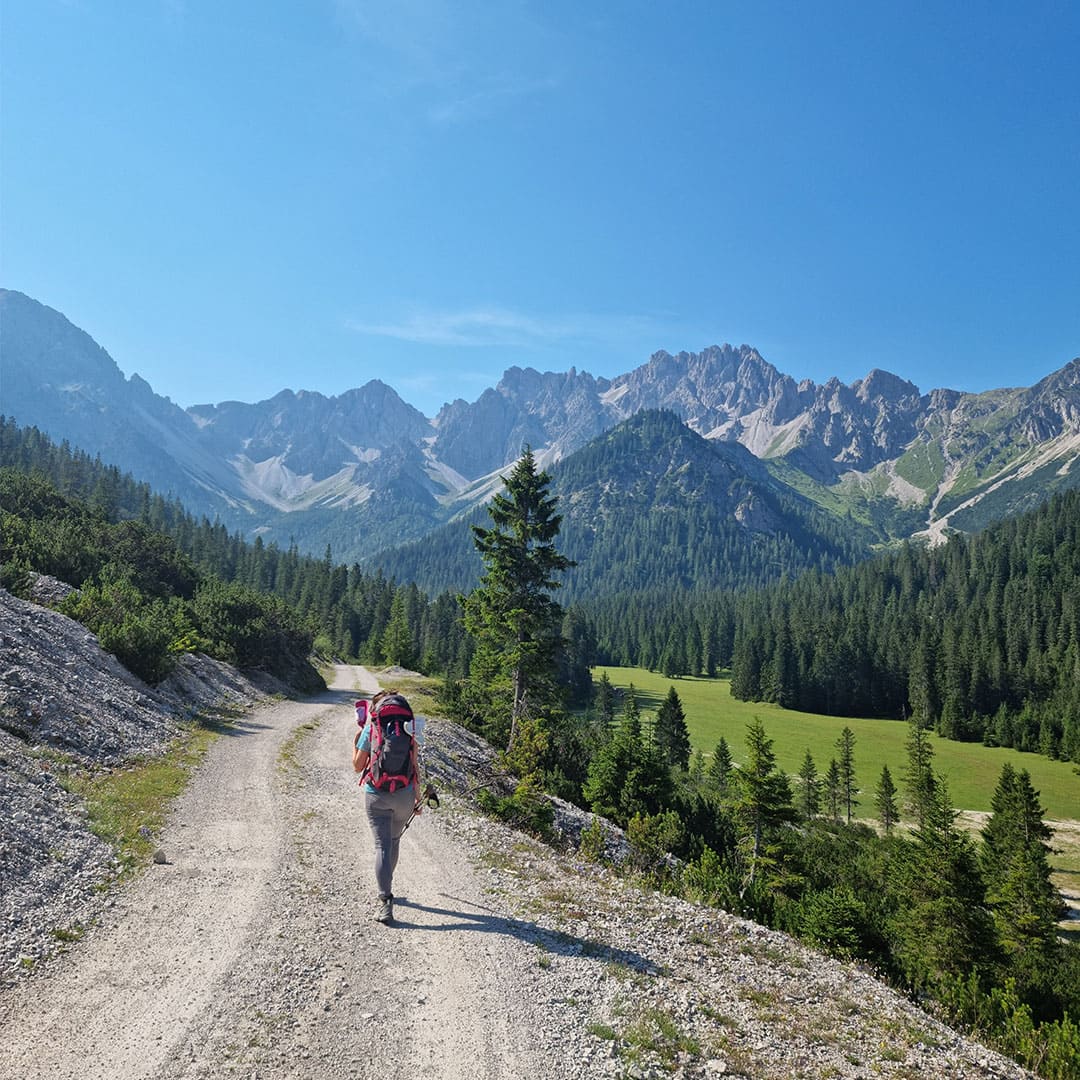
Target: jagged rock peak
(884,384)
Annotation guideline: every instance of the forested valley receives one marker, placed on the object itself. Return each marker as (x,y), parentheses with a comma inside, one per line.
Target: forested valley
(978,638)
(974,639)
(652,505)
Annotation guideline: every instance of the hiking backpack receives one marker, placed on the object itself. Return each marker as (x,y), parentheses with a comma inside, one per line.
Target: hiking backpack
(391,765)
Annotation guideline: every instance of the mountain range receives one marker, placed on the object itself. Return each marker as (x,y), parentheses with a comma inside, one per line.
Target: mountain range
(750,447)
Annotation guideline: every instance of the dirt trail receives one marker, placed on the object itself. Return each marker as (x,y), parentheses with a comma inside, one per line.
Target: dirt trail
(254,950)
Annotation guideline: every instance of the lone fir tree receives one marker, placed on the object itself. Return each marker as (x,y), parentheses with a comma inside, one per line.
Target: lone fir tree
(671,734)
(810,791)
(511,615)
(720,766)
(761,801)
(846,766)
(885,797)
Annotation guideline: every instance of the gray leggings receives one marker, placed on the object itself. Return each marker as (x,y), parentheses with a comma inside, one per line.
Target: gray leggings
(387,813)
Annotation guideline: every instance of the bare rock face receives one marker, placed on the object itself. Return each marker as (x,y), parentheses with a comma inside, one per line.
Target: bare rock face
(60,689)
(311,434)
(558,411)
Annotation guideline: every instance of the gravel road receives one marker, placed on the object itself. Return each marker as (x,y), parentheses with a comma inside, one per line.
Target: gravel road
(253,950)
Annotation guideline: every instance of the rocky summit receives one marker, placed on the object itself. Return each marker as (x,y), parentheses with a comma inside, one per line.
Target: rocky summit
(313,469)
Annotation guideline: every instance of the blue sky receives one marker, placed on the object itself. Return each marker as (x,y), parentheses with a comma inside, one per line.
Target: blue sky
(235,198)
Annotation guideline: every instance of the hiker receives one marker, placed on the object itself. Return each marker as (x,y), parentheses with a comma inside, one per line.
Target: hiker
(390,777)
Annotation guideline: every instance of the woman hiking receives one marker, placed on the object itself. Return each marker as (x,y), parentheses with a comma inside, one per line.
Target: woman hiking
(385,754)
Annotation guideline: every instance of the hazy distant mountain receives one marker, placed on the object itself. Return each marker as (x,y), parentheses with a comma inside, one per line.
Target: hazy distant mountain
(364,470)
(276,468)
(56,377)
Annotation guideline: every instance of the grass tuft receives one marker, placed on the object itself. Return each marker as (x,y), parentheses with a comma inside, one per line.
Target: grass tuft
(127,807)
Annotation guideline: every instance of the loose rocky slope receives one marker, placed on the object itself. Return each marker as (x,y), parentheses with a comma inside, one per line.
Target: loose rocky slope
(66,704)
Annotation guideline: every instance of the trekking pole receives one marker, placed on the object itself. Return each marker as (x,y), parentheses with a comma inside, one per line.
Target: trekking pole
(431,797)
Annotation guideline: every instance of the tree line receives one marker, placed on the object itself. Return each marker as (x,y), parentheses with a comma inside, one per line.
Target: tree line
(979,638)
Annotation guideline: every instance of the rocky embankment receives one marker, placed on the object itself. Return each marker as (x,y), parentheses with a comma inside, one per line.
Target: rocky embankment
(65,704)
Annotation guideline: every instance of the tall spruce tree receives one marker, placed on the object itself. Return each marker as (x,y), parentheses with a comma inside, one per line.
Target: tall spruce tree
(762,801)
(940,927)
(887,807)
(397,639)
(833,790)
(720,766)
(1023,901)
(919,778)
(810,791)
(846,766)
(605,702)
(670,732)
(511,614)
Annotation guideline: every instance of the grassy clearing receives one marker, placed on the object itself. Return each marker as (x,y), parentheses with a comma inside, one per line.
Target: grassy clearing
(971,769)
(127,807)
(419,689)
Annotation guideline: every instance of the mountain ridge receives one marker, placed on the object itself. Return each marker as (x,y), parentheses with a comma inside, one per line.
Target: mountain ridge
(879,449)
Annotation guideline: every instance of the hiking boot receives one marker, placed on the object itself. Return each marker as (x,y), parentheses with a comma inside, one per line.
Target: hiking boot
(385,911)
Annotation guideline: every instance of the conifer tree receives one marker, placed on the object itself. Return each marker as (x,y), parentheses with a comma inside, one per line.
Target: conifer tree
(630,721)
(919,777)
(670,732)
(397,638)
(885,797)
(846,771)
(940,927)
(1023,901)
(627,776)
(833,790)
(513,619)
(720,766)
(762,799)
(697,766)
(605,702)
(810,792)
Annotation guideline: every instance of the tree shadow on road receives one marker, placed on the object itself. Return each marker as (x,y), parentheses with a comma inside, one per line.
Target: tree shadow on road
(228,725)
(487,921)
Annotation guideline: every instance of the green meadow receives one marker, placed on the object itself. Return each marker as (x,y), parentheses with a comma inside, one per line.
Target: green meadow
(971,769)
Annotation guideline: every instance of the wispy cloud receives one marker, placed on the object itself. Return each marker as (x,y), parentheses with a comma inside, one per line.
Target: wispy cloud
(490,95)
(500,327)
(457,60)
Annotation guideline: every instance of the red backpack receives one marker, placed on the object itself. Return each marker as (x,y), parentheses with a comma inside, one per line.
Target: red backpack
(392,745)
